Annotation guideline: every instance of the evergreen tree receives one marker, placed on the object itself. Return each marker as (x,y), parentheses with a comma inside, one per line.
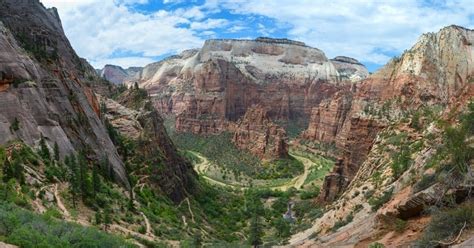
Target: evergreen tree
(44,150)
(83,176)
(98,218)
(131,206)
(96,183)
(7,171)
(282,227)
(104,167)
(17,168)
(255,236)
(107,218)
(56,151)
(74,184)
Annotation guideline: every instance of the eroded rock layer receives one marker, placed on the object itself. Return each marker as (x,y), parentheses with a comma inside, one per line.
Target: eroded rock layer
(434,71)
(219,82)
(258,134)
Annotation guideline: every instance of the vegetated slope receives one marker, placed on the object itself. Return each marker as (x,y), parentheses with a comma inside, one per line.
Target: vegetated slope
(58,154)
(405,140)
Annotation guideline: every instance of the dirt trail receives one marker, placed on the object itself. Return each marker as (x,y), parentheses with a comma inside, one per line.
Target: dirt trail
(296,182)
(148,226)
(307,165)
(37,202)
(60,204)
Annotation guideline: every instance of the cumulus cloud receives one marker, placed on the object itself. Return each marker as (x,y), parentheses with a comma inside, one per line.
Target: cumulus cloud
(102,31)
(370,31)
(366,30)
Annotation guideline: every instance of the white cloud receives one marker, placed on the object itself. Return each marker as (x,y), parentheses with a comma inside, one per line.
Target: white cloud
(209,24)
(356,28)
(104,30)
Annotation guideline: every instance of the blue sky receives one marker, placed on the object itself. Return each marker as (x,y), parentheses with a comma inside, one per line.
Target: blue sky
(138,32)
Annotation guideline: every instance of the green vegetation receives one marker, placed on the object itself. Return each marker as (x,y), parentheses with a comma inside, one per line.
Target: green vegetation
(376,245)
(15,126)
(447,224)
(26,229)
(341,223)
(36,49)
(377,202)
(220,150)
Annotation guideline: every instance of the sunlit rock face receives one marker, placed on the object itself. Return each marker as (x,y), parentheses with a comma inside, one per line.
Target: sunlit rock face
(438,69)
(44,86)
(207,87)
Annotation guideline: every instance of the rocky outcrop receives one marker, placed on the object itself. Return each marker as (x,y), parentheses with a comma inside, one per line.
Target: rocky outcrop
(113,73)
(256,133)
(349,68)
(117,75)
(219,82)
(434,71)
(334,183)
(135,118)
(43,87)
(328,118)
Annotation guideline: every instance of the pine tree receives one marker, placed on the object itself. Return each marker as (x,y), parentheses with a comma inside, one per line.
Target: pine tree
(104,167)
(255,236)
(56,151)
(44,150)
(83,176)
(96,183)
(131,205)
(98,218)
(74,185)
(107,218)
(7,171)
(17,168)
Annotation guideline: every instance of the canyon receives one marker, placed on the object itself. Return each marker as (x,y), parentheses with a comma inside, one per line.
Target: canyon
(241,142)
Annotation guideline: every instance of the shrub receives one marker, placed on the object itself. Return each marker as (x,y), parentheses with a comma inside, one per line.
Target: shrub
(425,182)
(15,126)
(447,224)
(376,245)
(312,193)
(377,202)
(343,222)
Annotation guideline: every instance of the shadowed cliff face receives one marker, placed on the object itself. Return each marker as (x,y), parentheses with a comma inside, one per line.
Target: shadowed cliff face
(258,134)
(135,118)
(435,71)
(43,86)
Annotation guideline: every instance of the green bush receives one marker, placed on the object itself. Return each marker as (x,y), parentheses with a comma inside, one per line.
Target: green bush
(310,194)
(341,223)
(377,202)
(376,245)
(26,229)
(447,224)
(425,182)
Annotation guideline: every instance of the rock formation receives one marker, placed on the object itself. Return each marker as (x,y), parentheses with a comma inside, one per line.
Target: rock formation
(117,74)
(135,118)
(256,133)
(206,87)
(434,71)
(43,86)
